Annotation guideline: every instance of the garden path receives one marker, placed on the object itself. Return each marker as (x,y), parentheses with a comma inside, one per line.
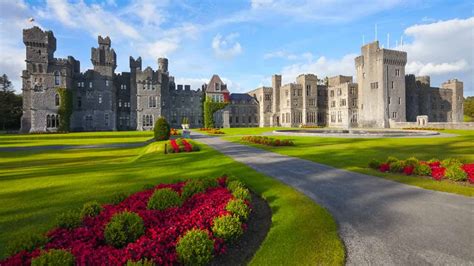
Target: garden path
(380,221)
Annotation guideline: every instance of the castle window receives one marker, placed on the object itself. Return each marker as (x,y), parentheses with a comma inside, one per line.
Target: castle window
(57,78)
(56,100)
(267,97)
(332,93)
(354,102)
(147,120)
(107,82)
(389,100)
(339,116)
(394,114)
(363,75)
(352,91)
(48,121)
(339,91)
(399,100)
(333,104)
(40,68)
(397,72)
(374,85)
(343,102)
(106,118)
(392,84)
(100,98)
(308,90)
(120,102)
(34,67)
(90,84)
(79,102)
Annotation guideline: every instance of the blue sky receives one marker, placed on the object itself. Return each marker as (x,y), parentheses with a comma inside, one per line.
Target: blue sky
(245,42)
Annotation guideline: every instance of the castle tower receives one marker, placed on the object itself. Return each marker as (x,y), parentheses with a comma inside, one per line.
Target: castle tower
(457,103)
(163,65)
(135,66)
(276,85)
(381,79)
(104,58)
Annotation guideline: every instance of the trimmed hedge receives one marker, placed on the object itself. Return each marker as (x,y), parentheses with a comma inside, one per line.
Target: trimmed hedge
(69,220)
(227,227)
(162,129)
(239,208)
(195,248)
(164,198)
(54,257)
(26,242)
(91,209)
(124,228)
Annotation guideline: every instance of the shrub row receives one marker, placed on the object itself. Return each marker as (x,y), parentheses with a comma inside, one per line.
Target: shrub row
(451,169)
(423,128)
(181,145)
(214,131)
(224,210)
(268,141)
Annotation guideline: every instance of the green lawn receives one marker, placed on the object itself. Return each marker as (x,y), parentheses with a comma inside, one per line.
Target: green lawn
(83,138)
(354,154)
(36,186)
(244,131)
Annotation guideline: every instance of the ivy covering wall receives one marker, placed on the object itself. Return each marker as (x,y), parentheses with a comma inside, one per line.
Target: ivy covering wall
(65,109)
(210,107)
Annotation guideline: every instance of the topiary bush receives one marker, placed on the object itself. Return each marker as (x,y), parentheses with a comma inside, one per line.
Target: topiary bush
(91,209)
(233,185)
(422,169)
(241,193)
(119,197)
(26,242)
(123,228)
(238,208)
(397,167)
(54,257)
(195,248)
(69,220)
(142,262)
(227,227)
(375,164)
(455,173)
(163,199)
(412,161)
(162,129)
(191,188)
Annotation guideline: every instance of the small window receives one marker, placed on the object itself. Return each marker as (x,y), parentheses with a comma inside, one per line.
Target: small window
(399,100)
(90,84)
(392,84)
(397,72)
(57,78)
(106,82)
(100,98)
(79,102)
(40,68)
(106,118)
(56,100)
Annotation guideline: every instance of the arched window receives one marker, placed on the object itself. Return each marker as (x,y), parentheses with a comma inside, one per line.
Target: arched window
(57,120)
(56,99)
(57,78)
(53,121)
(48,121)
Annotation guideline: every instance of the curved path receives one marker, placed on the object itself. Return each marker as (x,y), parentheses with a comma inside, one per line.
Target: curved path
(381,222)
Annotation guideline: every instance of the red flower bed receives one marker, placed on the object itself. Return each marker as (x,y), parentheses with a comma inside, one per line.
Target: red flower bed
(469,169)
(268,141)
(385,167)
(163,228)
(408,170)
(181,145)
(437,172)
(174,145)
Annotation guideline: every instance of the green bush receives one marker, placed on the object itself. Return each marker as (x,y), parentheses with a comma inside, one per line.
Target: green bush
(239,208)
(54,257)
(124,228)
(192,187)
(142,262)
(391,159)
(412,161)
(162,129)
(455,173)
(195,248)
(422,170)
(451,162)
(163,199)
(69,220)
(227,227)
(27,242)
(91,209)
(233,185)
(241,193)
(118,198)
(397,167)
(375,164)
(433,160)
(209,182)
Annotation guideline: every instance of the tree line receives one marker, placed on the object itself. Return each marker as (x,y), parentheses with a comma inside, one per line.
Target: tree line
(10,105)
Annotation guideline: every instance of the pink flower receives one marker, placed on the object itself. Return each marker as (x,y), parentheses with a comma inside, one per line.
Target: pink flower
(385,167)
(408,170)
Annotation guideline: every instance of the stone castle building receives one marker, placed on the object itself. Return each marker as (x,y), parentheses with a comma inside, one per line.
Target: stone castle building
(105,100)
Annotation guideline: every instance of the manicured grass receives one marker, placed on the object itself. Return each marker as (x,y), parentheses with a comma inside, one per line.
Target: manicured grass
(36,186)
(355,153)
(83,138)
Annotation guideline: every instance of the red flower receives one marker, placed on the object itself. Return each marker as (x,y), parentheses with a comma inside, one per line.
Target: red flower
(174,145)
(163,228)
(408,170)
(187,146)
(437,173)
(435,164)
(385,167)
(469,169)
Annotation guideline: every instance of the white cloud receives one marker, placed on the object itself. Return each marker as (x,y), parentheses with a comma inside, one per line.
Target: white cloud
(226,47)
(287,55)
(321,67)
(443,49)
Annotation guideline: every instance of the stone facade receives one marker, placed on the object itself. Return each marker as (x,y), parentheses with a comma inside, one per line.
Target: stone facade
(104,100)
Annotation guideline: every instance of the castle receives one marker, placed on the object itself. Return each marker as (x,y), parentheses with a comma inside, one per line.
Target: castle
(103,100)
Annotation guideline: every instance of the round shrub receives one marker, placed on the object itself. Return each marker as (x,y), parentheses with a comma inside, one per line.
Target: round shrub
(192,187)
(422,170)
(54,257)
(241,193)
(238,208)
(163,199)
(233,185)
(412,161)
(451,162)
(26,242)
(91,209)
(227,227)
(69,220)
(397,167)
(375,164)
(391,159)
(162,129)
(124,228)
(455,173)
(118,198)
(142,262)
(195,248)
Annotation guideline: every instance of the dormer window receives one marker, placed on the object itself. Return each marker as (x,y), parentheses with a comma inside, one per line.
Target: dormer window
(218,86)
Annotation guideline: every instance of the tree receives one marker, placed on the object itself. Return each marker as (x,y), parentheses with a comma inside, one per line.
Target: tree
(469,106)
(10,105)
(162,129)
